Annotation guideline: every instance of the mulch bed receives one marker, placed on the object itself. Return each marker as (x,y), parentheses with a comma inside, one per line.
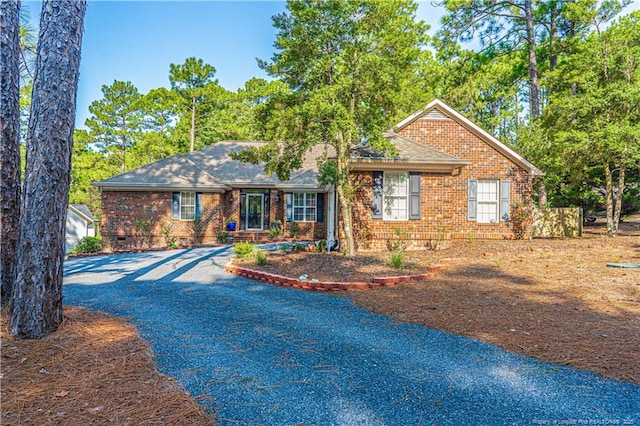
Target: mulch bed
(552,299)
(94,370)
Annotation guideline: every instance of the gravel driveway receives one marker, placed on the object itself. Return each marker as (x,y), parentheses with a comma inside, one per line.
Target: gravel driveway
(271,355)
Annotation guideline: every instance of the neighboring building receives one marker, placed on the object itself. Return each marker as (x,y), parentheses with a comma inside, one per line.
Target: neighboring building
(449,179)
(80,224)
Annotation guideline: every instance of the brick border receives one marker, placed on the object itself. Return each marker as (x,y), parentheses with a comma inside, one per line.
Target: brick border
(311,285)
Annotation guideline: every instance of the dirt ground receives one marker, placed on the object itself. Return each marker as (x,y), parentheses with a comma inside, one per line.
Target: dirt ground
(94,370)
(555,300)
(552,299)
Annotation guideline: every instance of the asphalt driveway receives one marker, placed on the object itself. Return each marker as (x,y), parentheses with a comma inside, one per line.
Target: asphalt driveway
(276,356)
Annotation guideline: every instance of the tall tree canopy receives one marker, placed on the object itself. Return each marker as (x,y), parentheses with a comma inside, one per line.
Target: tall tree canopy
(116,119)
(195,82)
(345,63)
(35,308)
(594,115)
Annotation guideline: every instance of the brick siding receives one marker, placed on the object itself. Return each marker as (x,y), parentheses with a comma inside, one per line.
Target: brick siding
(121,209)
(443,197)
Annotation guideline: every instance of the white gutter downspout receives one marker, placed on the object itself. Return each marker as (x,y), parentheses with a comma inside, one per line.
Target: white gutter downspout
(331,217)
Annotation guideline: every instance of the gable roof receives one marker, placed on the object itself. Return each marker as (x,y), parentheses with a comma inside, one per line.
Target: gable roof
(212,169)
(82,211)
(437,109)
(410,154)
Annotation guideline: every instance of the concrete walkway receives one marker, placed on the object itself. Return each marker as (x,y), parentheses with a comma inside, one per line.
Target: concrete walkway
(275,356)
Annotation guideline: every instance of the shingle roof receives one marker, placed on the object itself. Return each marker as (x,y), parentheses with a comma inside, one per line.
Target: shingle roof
(84,210)
(406,150)
(212,168)
(409,154)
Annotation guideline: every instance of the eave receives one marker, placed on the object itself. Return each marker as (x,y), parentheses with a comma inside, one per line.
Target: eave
(431,166)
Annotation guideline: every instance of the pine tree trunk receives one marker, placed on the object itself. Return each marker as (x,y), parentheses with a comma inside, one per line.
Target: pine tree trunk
(35,308)
(611,226)
(192,134)
(618,202)
(9,143)
(534,90)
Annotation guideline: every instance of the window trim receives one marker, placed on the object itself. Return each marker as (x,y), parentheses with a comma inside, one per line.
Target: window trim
(306,208)
(183,205)
(385,196)
(495,202)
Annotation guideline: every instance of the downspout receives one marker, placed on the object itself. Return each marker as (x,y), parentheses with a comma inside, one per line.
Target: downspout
(331,217)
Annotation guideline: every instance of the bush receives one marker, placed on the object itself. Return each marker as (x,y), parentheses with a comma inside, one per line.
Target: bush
(297,247)
(260,257)
(169,237)
(274,232)
(396,260)
(222,236)
(88,245)
(322,246)
(243,250)
(294,230)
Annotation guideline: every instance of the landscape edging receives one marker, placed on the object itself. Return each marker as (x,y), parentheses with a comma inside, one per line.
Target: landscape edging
(313,285)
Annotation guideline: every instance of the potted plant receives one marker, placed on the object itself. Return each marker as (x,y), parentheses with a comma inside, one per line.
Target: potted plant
(231,225)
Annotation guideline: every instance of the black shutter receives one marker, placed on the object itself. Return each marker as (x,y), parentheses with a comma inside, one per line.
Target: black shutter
(176,205)
(376,194)
(198,205)
(414,196)
(319,207)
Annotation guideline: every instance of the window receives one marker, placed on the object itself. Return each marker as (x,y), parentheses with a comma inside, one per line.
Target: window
(187,205)
(395,196)
(487,201)
(304,207)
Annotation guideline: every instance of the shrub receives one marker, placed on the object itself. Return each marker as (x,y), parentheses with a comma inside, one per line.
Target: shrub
(396,260)
(243,250)
(322,246)
(294,230)
(167,233)
(222,236)
(260,257)
(297,247)
(274,232)
(88,245)
(144,230)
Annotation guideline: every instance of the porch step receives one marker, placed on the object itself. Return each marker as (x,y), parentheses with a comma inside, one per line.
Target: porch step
(251,236)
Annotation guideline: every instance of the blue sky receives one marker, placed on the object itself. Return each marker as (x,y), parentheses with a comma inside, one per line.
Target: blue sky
(137,40)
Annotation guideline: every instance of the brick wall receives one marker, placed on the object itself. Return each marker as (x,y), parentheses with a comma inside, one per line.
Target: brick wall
(443,206)
(121,209)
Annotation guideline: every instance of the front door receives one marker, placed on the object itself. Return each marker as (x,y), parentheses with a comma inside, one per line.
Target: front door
(255,205)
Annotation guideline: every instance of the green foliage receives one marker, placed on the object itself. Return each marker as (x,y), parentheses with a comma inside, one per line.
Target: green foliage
(260,256)
(294,230)
(345,64)
(116,120)
(396,259)
(170,239)
(243,249)
(88,245)
(144,230)
(274,232)
(297,247)
(400,241)
(222,236)
(322,246)
(593,121)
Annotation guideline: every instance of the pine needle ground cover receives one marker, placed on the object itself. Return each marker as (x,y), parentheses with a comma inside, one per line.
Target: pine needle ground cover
(94,370)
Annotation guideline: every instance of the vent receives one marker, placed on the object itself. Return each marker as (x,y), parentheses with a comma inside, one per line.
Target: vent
(435,114)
